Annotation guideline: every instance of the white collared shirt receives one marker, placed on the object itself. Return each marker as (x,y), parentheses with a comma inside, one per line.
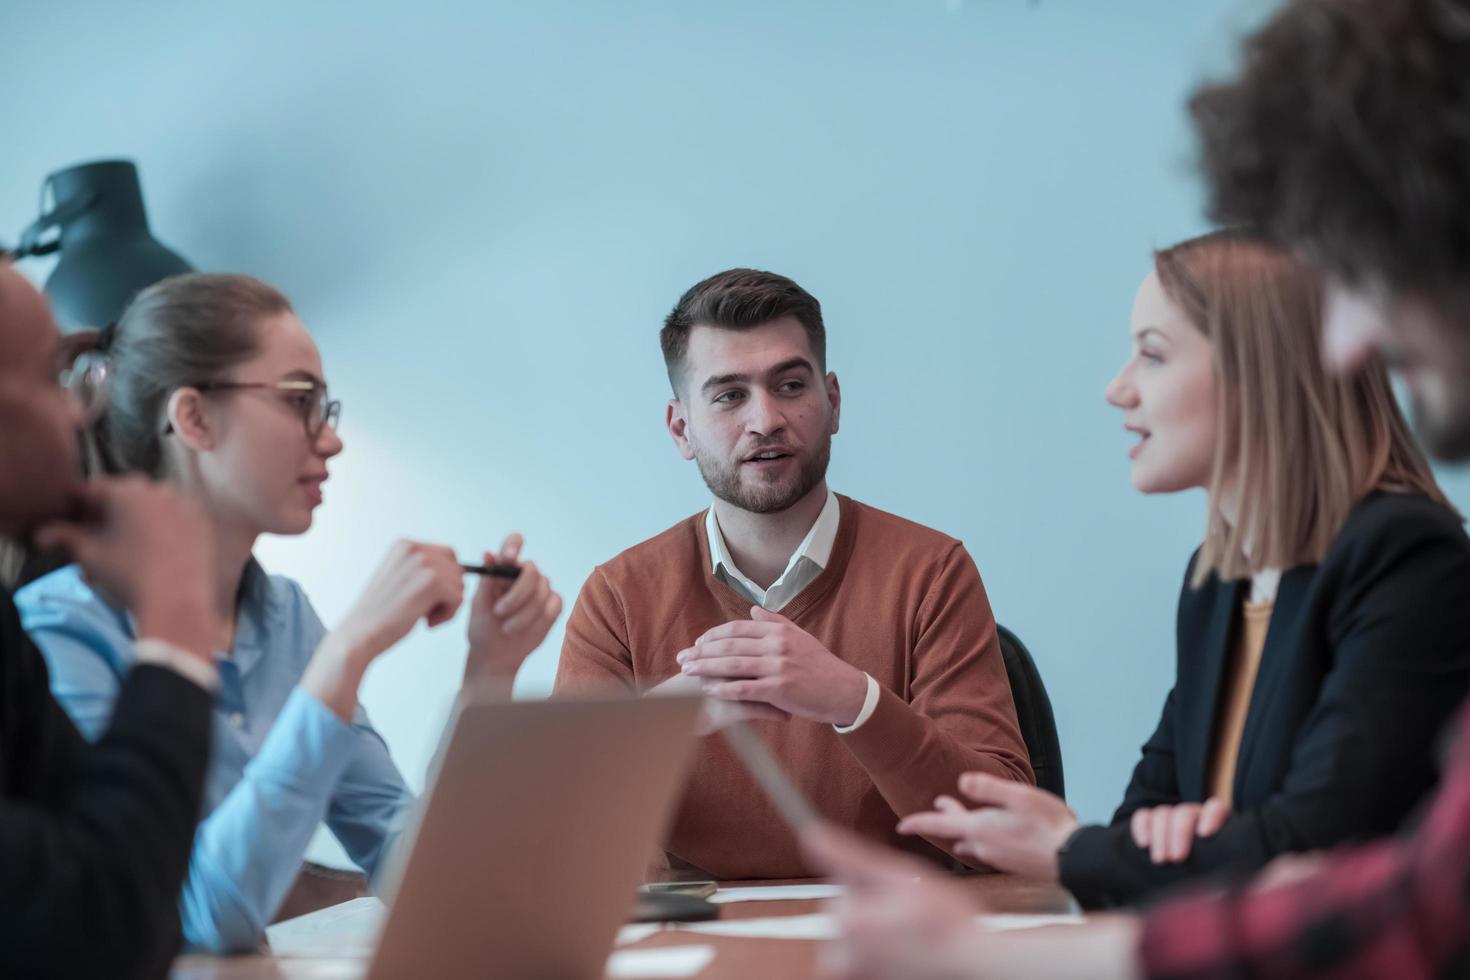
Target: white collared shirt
(807,562)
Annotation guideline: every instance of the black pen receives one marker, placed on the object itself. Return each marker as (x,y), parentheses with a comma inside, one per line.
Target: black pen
(494,571)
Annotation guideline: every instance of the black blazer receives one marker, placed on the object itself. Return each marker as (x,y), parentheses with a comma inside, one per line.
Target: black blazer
(94,839)
(1366,658)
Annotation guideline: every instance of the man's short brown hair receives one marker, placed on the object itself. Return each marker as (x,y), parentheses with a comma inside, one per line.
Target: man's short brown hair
(739,299)
(1347,134)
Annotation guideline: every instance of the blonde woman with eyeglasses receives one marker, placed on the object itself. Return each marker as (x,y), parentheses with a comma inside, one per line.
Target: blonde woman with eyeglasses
(215,386)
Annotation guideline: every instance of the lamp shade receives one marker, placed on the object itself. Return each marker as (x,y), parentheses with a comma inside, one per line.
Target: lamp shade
(107,252)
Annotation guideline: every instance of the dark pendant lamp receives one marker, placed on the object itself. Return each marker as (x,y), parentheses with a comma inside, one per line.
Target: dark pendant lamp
(107,251)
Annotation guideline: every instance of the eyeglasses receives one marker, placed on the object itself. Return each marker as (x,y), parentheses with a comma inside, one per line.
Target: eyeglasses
(317,411)
(89,379)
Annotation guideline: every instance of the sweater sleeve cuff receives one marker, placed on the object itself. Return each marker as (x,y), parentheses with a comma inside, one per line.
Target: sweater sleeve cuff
(870,702)
(191,666)
(166,705)
(890,736)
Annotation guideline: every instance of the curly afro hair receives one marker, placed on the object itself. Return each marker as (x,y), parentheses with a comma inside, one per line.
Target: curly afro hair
(1347,135)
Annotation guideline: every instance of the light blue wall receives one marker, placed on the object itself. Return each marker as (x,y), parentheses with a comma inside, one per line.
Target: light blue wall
(484,209)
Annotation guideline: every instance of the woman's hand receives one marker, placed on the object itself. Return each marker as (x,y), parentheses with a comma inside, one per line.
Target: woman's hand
(508,618)
(1168,832)
(1019,828)
(414,581)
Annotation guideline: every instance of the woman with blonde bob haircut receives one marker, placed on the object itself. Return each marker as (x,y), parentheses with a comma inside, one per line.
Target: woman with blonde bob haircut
(1323,632)
(1298,447)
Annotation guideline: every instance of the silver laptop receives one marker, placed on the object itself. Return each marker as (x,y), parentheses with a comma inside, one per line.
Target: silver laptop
(535,833)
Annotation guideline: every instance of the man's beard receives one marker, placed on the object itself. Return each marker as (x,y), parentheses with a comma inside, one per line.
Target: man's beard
(724,480)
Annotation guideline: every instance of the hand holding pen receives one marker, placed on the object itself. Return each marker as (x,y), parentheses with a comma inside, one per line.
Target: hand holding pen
(494,571)
(513,609)
(415,582)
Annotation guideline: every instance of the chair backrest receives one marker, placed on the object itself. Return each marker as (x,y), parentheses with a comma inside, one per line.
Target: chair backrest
(1033,710)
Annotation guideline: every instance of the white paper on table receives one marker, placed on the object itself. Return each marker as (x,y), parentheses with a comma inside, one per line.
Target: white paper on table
(345,930)
(321,969)
(776,893)
(815,926)
(822,926)
(1002,922)
(667,961)
(636,931)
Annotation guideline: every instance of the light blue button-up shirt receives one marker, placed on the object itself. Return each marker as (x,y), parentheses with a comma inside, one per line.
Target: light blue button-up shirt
(281,764)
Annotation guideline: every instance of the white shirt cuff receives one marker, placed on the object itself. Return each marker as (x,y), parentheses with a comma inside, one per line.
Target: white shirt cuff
(869,703)
(191,666)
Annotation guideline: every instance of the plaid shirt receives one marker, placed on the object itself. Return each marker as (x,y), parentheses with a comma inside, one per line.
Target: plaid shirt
(1398,908)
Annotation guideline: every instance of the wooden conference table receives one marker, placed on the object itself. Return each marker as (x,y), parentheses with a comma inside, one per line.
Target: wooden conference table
(735,956)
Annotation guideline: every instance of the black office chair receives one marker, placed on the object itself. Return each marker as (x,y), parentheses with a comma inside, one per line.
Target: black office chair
(1033,710)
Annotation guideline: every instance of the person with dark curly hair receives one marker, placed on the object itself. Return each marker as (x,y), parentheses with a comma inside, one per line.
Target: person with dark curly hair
(95,838)
(1346,136)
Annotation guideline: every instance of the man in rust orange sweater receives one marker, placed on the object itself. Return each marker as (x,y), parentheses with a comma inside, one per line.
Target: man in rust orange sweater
(861,645)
